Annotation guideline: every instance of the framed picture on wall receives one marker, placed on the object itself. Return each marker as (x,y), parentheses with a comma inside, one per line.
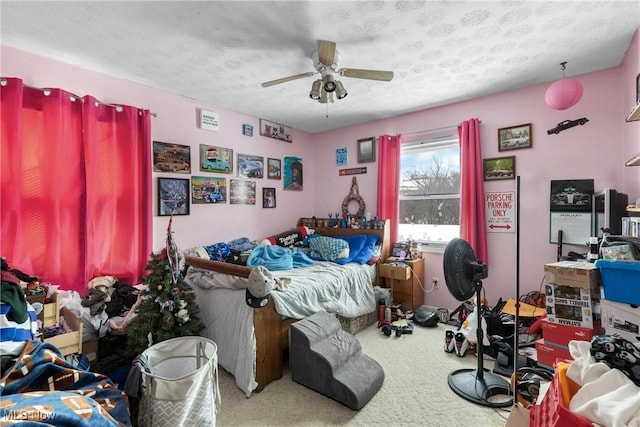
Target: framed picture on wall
(171,157)
(366,150)
(274,168)
(173,196)
(499,168)
(515,137)
(268,197)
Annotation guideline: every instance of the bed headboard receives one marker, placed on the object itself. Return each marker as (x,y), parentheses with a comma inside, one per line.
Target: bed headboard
(382,233)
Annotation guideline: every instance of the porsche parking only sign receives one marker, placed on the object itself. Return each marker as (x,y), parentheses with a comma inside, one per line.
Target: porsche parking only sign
(500,209)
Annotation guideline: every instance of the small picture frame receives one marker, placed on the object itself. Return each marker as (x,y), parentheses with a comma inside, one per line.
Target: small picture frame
(275,131)
(367,150)
(274,168)
(268,197)
(498,168)
(173,196)
(515,137)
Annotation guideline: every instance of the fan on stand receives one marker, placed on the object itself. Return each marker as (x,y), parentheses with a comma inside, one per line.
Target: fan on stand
(463,275)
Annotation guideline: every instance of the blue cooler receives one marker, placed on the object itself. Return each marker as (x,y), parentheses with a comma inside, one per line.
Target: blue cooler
(620,280)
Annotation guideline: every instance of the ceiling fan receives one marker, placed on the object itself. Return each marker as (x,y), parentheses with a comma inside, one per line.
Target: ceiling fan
(326,61)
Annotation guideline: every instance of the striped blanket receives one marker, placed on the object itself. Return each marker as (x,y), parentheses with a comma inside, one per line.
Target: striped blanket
(43,389)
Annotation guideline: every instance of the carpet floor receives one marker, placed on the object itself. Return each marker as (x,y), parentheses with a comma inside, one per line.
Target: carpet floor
(415,391)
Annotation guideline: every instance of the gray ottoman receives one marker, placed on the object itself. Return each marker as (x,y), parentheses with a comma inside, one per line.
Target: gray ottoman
(330,361)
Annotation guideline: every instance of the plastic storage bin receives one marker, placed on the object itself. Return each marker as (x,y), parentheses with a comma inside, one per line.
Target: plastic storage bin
(620,280)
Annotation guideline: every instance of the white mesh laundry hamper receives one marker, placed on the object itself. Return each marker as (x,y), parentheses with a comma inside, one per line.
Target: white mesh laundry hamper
(179,383)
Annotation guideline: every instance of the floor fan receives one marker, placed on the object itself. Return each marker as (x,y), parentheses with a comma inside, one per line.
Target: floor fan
(463,275)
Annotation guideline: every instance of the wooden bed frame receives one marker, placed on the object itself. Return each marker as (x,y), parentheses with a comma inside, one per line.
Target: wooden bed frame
(271,328)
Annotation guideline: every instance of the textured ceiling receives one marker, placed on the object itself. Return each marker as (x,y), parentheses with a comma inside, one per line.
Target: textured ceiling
(220,52)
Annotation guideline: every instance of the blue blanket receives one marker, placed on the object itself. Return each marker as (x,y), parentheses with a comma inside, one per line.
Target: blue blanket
(276,258)
(43,389)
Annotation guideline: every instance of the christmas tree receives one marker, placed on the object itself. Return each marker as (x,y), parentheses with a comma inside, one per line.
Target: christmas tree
(167,308)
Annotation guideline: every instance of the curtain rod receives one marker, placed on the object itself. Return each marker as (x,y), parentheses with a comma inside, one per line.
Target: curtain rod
(118,108)
(434,130)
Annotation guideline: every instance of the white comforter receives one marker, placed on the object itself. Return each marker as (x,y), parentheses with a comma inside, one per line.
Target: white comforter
(341,289)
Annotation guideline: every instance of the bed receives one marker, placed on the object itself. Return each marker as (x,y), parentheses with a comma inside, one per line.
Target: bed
(250,340)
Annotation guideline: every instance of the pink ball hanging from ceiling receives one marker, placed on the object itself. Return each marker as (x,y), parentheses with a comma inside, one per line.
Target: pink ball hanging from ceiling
(563,94)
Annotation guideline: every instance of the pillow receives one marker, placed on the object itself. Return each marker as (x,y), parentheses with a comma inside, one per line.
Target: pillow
(328,248)
(367,250)
(287,238)
(356,244)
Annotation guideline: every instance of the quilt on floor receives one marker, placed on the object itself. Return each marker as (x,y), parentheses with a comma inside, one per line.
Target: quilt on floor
(44,389)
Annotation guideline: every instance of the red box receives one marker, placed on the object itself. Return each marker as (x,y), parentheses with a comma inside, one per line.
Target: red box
(552,412)
(548,353)
(562,334)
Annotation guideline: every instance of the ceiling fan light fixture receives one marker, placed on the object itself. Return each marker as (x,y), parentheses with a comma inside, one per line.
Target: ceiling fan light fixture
(329,83)
(316,87)
(341,92)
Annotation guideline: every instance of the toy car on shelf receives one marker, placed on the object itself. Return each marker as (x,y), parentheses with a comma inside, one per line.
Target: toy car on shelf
(567,124)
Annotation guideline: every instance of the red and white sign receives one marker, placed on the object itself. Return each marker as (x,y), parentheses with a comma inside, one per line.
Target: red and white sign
(500,208)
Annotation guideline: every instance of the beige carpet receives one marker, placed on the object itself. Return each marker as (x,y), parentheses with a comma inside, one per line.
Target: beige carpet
(415,391)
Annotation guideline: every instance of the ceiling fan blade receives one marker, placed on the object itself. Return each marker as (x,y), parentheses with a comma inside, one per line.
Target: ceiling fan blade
(326,51)
(366,74)
(288,79)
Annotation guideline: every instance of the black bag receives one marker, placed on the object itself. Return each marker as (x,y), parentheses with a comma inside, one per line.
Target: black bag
(425,317)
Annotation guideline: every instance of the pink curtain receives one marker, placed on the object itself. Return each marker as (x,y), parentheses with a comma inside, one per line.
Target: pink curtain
(76,186)
(389,181)
(473,227)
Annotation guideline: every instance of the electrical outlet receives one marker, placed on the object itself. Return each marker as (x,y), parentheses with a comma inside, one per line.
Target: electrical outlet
(435,282)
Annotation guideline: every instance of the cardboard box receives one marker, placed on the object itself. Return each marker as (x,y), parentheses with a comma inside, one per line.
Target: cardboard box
(574,306)
(580,274)
(70,342)
(561,334)
(547,353)
(621,319)
(396,271)
(90,349)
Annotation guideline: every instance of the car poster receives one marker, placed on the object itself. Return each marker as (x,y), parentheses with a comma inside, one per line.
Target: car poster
(242,192)
(250,166)
(171,157)
(208,190)
(216,159)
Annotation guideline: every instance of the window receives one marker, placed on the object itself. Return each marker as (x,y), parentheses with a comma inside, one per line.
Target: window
(430,190)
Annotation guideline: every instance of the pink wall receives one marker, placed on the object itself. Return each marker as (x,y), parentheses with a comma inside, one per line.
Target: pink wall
(597,150)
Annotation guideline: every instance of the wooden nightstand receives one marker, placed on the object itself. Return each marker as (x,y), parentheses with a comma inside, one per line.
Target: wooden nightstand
(405,280)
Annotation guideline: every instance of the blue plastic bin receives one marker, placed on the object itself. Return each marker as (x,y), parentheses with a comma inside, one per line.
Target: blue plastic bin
(620,280)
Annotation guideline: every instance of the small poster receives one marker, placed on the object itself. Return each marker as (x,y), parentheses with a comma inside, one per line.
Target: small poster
(500,210)
(341,156)
(209,120)
(573,195)
(208,190)
(292,173)
(216,159)
(242,192)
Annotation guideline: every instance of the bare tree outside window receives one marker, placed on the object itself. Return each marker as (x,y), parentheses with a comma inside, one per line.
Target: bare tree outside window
(429,208)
